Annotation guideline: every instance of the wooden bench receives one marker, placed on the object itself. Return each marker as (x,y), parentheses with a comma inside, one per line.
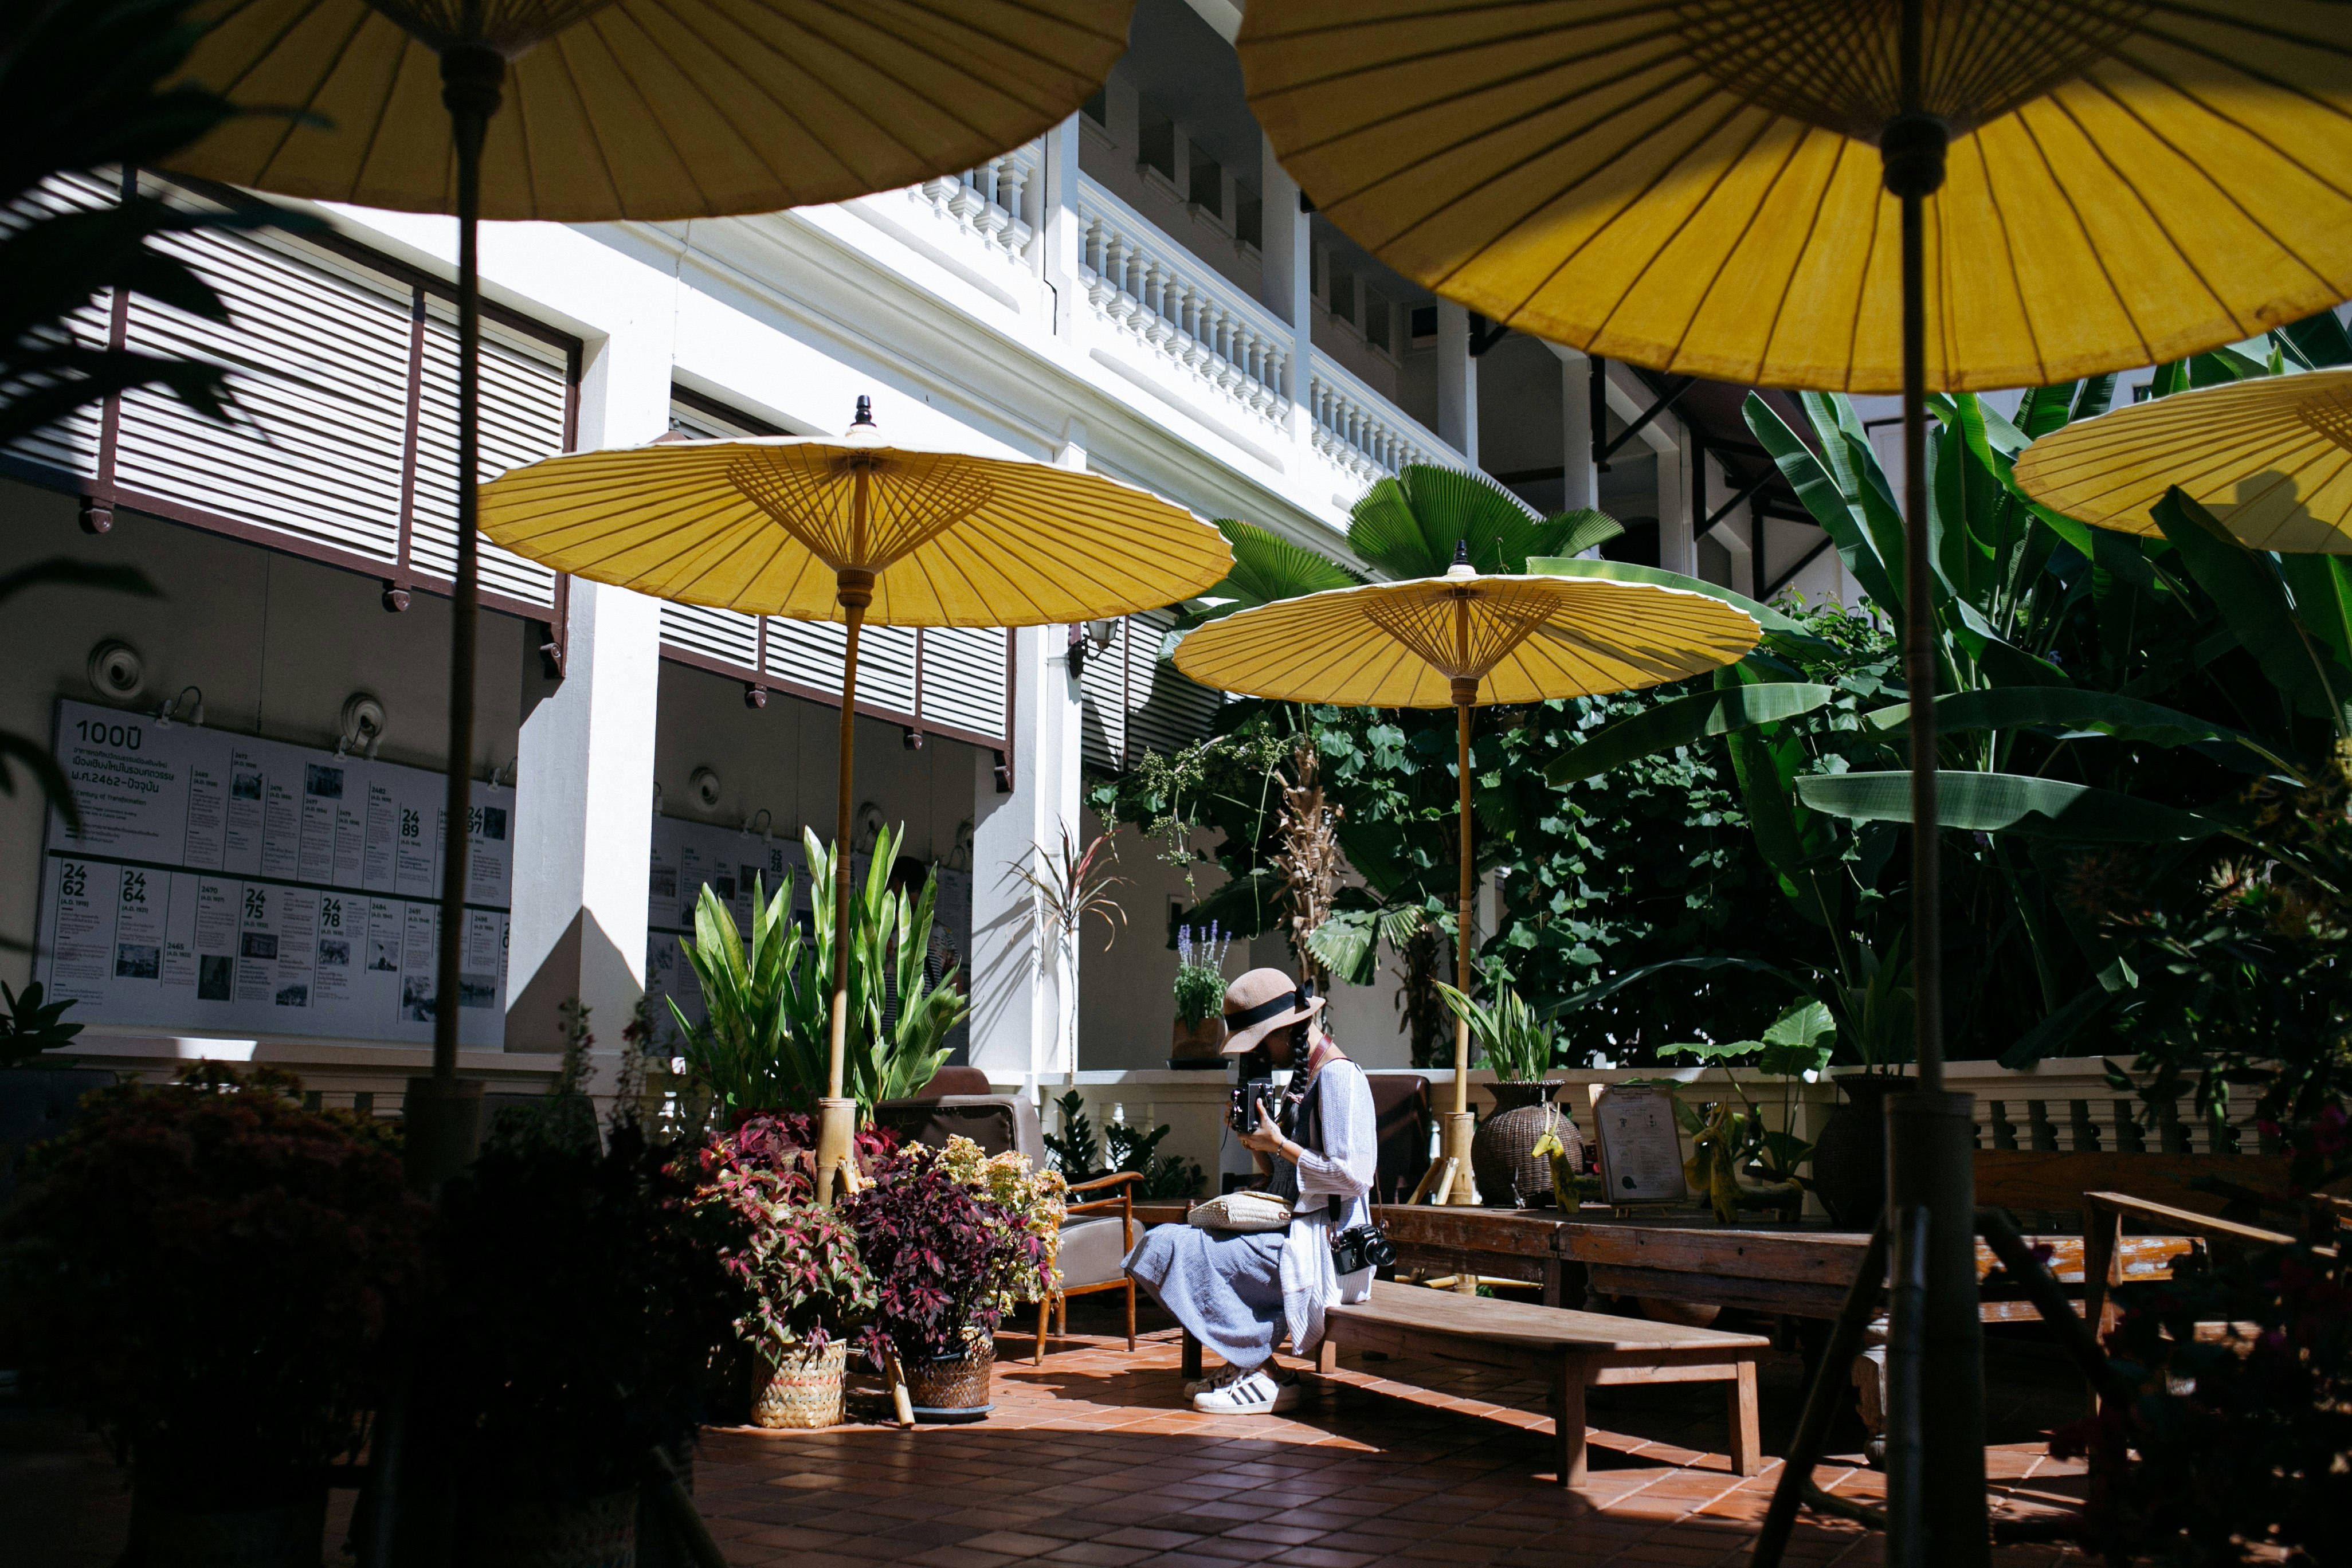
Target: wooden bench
(1575,1350)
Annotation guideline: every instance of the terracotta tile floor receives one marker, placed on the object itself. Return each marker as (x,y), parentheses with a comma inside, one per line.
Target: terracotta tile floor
(1094,1461)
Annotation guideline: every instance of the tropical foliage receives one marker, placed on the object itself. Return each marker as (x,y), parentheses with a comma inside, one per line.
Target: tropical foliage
(765,1043)
(1510,1039)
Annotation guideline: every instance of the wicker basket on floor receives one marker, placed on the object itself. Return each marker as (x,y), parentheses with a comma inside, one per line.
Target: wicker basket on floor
(802,1391)
(953,1388)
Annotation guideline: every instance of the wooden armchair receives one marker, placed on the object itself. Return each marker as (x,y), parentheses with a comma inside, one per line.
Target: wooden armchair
(1094,1247)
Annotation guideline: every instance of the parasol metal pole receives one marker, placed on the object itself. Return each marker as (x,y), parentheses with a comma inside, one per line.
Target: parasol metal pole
(1461,1126)
(443,1117)
(836,1129)
(1937,1501)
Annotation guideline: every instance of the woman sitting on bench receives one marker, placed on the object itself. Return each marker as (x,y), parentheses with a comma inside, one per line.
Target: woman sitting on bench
(1234,1291)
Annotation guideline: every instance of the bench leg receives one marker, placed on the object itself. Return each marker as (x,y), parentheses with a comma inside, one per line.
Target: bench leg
(1747,1442)
(1191,1356)
(1327,1355)
(1567,1422)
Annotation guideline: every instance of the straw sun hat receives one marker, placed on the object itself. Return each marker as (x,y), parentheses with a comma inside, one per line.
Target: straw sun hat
(1261,1002)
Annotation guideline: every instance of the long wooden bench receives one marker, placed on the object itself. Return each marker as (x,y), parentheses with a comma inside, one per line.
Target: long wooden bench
(1575,1350)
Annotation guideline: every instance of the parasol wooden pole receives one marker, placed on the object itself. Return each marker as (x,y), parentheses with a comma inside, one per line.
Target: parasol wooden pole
(1936,1504)
(836,1130)
(1460,1125)
(442,1117)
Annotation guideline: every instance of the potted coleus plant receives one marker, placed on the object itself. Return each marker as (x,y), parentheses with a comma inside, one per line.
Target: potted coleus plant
(206,1271)
(1200,1030)
(803,1283)
(946,1262)
(1519,1048)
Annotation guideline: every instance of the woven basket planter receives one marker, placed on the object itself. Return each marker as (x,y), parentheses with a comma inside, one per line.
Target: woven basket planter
(601,1532)
(1510,1173)
(802,1391)
(953,1388)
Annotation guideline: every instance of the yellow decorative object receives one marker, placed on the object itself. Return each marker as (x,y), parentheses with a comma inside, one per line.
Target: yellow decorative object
(2270,459)
(1516,639)
(1697,188)
(642,108)
(771,526)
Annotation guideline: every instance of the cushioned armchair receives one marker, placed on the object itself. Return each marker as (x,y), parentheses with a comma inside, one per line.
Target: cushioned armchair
(1095,1241)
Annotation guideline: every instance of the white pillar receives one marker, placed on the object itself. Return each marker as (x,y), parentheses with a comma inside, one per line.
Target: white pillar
(1019,1000)
(584,780)
(1058,210)
(1457,382)
(1678,537)
(1582,484)
(1287,284)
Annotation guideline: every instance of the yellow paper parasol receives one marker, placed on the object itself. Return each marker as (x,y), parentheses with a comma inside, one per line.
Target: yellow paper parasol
(623,109)
(1457,641)
(854,531)
(1858,196)
(1699,187)
(2270,459)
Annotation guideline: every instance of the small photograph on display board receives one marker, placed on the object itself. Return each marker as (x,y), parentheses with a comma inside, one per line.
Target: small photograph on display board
(1640,1144)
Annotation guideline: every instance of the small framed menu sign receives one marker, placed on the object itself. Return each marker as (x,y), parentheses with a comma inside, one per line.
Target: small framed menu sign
(1640,1144)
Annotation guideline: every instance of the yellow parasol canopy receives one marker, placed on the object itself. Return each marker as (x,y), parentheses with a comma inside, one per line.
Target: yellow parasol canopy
(2270,459)
(770,525)
(1514,638)
(642,108)
(1459,640)
(854,530)
(1697,188)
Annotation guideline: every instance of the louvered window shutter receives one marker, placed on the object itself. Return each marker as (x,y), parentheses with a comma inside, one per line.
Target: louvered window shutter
(1134,702)
(344,368)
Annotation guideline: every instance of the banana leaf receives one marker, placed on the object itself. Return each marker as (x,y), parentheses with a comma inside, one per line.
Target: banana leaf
(2075,713)
(2006,802)
(2253,601)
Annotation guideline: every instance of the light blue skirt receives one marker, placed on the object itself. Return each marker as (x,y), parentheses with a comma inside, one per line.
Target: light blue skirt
(1224,1287)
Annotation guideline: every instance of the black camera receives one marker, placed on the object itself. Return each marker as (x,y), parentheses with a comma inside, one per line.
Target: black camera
(1365,1246)
(1242,1104)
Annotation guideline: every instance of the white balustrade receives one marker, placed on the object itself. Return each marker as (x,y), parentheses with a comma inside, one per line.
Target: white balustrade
(1362,433)
(1155,291)
(994,204)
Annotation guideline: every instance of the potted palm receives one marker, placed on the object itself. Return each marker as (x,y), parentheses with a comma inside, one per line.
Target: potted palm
(802,1285)
(1199,1031)
(206,1270)
(1519,1048)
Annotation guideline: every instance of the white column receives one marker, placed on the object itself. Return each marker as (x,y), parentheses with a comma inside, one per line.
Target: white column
(1057,216)
(1584,485)
(584,784)
(1457,382)
(1677,538)
(1019,1000)
(1289,282)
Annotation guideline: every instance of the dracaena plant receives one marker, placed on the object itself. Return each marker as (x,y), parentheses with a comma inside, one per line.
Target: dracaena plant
(1510,1038)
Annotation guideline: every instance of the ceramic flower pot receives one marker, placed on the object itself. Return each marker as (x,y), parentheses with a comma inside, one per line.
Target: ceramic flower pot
(803,1389)
(284,1535)
(1197,1044)
(1850,1157)
(1510,1174)
(953,1387)
(600,1533)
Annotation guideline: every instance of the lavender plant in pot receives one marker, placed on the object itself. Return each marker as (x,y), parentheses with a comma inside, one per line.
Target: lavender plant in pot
(1199,1029)
(1519,1048)
(804,1286)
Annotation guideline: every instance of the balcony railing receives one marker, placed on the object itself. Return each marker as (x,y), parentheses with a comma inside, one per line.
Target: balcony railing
(995,203)
(1362,433)
(1159,293)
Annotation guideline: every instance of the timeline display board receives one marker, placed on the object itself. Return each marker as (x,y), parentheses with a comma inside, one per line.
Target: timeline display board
(225,884)
(688,855)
